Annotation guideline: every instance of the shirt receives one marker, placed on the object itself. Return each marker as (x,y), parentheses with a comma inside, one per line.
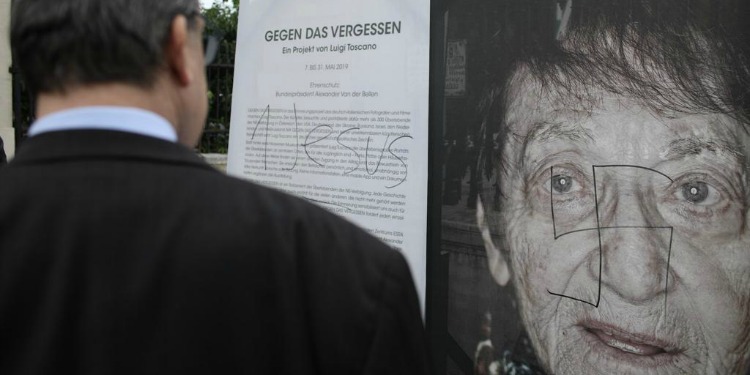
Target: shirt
(124,119)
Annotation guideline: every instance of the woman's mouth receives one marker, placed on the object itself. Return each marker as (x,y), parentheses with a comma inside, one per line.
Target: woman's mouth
(626,345)
(634,348)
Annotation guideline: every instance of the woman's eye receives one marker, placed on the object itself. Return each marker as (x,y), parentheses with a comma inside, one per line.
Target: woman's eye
(561,183)
(698,193)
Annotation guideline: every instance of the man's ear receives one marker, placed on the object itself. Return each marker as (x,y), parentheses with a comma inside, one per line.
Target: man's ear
(177,52)
(498,265)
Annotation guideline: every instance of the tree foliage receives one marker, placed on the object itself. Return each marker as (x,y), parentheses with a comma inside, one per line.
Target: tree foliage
(221,20)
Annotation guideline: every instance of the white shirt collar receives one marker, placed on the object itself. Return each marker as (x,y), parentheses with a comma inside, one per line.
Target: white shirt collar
(124,119)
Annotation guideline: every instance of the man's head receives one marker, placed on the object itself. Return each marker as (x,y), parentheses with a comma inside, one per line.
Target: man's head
(65,48)
(623,169)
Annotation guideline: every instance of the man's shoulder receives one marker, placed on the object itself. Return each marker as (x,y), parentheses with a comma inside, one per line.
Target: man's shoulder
(307,218)
(255,253)
(303,216)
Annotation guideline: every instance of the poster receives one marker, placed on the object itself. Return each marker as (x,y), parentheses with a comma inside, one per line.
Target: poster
(595,194)
(455,68)
(331,103)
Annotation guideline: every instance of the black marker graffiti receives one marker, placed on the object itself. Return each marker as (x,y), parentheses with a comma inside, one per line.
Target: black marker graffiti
(330,204)
(338,140)
(599,228)
(321,135)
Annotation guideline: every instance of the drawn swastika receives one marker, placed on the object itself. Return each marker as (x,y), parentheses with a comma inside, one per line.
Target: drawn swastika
(616,207)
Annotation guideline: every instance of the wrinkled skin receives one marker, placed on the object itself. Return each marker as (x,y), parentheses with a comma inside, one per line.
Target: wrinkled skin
(664,287)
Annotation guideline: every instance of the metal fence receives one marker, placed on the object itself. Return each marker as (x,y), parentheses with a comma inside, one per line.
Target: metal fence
(216,135)
(220,76)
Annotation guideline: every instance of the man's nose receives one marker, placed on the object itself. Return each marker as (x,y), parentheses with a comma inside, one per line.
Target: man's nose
(635,248)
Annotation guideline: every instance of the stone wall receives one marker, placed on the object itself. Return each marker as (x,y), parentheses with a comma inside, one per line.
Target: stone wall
(218,161)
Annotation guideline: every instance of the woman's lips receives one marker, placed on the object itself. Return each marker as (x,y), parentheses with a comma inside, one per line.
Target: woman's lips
(622,345)
(627,345)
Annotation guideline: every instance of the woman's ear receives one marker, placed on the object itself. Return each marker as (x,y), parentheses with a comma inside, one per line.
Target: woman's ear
(498,265)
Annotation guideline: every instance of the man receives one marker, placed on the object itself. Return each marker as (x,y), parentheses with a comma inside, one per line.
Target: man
(623,168)
(122,252)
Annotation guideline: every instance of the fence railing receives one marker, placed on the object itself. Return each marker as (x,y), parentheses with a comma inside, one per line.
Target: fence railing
(216,134)
(215,137)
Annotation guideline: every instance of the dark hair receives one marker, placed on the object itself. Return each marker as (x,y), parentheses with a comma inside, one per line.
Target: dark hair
(61,43)
(679,55)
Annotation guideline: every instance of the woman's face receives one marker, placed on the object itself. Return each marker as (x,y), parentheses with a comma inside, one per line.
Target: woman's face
(627,236)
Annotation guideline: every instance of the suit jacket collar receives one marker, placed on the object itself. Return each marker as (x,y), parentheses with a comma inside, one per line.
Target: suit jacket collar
(102,145)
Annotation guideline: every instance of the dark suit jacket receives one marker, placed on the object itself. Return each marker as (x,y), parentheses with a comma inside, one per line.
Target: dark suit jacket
(125,254)
(3,158)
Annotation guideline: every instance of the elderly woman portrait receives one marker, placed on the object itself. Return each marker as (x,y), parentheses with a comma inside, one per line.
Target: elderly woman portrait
(621,163)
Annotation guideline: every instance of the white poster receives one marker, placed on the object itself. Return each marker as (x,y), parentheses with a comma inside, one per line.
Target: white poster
(330,103)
